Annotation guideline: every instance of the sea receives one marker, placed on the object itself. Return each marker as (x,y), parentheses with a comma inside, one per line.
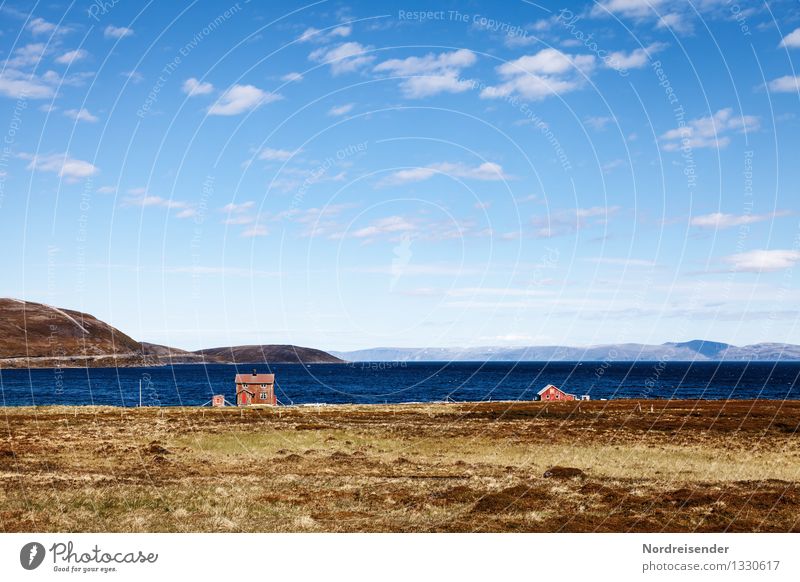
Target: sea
(399,382)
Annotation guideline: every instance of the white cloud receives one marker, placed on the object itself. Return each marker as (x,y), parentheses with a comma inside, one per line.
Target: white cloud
(312,34)
(16,84)
(485,171)
(141,198)
(292,77)
(624,262)
(495,292)
(785,84)
(276,155)
(570,221)
(546,73)
(233,208)
(719,220)
(708,132)
(74,80)
(388,225)
(194,87)
(241,98)
(428,85)
(675,22)
(254,231)
(431,74)
(27,55)
(791,40)
(635,59)
(81,114)
(612,165)
(239,219)
(61,164)
(598,123)
(548,61)
(342,31)
(341,109)
(117,31)
(679,16)
(631,8)
(763,260)
(430,63)
(106,190)
(70,57)
(135,76)
(155,201)
(344,58)
(41,26)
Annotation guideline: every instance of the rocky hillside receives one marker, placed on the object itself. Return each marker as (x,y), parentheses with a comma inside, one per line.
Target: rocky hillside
(269,354)
(38,335)
(34,335)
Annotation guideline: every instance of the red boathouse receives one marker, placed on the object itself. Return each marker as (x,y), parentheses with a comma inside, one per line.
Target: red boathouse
(255,388)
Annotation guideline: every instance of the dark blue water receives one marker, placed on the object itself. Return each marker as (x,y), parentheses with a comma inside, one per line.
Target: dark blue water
(191,384)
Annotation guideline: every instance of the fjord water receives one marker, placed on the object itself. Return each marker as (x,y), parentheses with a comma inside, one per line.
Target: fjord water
(393,382)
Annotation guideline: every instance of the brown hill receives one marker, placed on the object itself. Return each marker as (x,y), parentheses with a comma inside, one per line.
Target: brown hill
(273,354)
(168,355)
(34,335)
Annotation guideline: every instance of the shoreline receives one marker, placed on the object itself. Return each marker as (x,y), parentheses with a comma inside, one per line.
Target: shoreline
(358,363)
(390,405)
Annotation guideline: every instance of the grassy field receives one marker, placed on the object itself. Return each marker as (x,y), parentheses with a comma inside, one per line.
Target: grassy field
(593,466)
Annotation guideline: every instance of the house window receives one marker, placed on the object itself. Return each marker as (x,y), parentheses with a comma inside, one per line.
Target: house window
(263,396)
(244,385)
(548,397)
(263,385)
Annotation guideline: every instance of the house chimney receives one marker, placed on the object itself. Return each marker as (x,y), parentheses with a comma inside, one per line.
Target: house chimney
(254,372)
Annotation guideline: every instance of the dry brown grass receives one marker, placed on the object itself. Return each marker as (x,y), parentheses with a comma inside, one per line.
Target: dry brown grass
(685,466)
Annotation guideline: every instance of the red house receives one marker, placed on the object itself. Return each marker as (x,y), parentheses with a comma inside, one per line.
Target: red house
(255,388)
(550,392)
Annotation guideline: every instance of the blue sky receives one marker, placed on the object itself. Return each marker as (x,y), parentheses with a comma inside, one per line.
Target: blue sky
(354,174)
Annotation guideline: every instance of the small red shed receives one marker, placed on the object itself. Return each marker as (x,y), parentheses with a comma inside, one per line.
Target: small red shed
(550,393)
(255,388)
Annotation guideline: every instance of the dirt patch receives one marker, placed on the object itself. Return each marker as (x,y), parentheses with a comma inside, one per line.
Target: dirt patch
(457,494)
(685,497)
(562,473)
(517,498)
(156,448)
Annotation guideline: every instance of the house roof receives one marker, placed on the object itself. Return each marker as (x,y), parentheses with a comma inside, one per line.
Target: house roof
(255,378)
(546,388)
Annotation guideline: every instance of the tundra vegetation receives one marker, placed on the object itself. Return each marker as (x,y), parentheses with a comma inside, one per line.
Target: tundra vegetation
(618,466)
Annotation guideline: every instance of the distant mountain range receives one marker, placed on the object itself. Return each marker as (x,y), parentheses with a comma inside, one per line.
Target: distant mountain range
(34,335)
(695,350)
